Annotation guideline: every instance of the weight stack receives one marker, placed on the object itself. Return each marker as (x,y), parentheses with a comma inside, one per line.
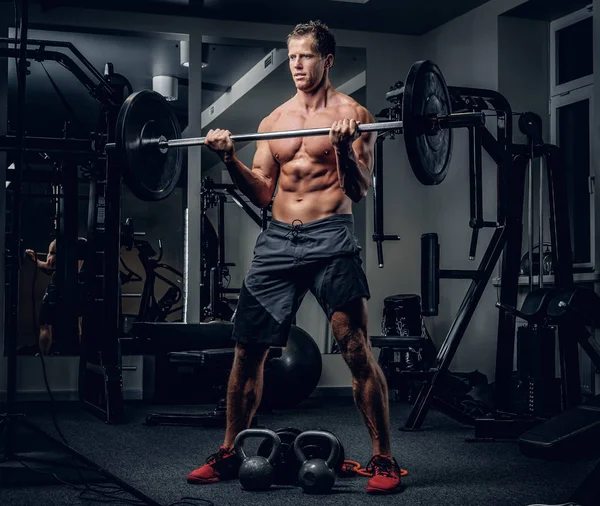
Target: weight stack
(401,317)
(536,388)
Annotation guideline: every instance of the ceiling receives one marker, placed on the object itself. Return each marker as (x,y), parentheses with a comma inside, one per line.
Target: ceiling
(138,58)
(547,10)
(411,17)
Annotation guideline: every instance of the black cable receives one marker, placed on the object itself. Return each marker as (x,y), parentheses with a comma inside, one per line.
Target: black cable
(131,274)
(63,99)
(89,488)
(17,28)
(90,492)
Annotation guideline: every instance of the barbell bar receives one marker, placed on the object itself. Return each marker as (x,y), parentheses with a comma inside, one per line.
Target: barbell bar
(148,134)
(450,121)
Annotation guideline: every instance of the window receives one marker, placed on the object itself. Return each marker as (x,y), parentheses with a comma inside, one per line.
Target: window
(571,52)
(571,85)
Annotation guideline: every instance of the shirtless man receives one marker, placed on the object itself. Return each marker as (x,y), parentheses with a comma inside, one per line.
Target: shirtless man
(309,245)
(47,310)
(50,299)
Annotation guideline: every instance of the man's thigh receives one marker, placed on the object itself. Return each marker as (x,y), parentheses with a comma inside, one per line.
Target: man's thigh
(340,286)
(266,308)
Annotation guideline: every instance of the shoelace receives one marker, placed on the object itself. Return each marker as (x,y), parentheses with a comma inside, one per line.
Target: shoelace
(295,229)
(211,459)
(380,465)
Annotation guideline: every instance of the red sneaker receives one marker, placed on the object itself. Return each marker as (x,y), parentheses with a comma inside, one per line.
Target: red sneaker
(386,475)
(220,466)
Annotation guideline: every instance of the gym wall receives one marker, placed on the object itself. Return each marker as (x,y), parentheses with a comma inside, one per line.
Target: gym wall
(479,49)
(467,50)
(524,79)
(3,164)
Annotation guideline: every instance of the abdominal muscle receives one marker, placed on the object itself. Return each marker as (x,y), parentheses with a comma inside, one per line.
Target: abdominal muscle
(309,190)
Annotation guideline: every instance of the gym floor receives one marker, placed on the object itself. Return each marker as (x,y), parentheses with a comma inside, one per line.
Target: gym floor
(443,468)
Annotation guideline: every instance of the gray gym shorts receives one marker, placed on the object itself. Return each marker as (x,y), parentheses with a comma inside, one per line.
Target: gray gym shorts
(322,256)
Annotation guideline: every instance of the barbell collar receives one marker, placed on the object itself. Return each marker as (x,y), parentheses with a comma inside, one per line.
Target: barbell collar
(462,119)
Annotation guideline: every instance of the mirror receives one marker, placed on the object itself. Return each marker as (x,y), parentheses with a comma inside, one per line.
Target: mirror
(59,105)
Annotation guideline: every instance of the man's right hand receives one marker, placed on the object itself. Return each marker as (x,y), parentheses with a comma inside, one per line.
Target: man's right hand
(30,253)
(220,142)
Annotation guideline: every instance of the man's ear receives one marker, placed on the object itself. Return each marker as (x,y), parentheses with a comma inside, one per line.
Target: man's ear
(329,61)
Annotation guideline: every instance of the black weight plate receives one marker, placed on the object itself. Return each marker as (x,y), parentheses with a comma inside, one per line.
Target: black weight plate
(426,94)
(149,173)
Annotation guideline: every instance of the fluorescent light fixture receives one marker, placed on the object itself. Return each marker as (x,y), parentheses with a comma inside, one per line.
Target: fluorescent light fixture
(167,86)
(184,54)
(10,167)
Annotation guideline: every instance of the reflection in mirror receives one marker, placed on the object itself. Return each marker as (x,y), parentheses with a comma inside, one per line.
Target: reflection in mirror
(243,83)
(57,190)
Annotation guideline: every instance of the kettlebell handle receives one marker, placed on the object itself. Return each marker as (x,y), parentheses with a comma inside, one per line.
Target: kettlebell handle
(264,433)
(335,446)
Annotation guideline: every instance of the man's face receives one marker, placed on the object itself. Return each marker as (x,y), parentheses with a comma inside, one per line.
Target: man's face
(306,65)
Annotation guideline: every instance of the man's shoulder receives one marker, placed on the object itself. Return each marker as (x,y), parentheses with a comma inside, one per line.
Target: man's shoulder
(350,105)
(269,121)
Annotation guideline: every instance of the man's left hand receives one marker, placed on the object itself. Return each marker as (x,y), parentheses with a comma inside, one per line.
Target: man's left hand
(343,133)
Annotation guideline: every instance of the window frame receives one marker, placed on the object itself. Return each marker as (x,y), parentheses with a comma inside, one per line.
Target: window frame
(556,26)
(579,95)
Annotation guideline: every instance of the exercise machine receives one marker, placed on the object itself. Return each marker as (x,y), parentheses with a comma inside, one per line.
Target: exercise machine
(215,276)
(206,352)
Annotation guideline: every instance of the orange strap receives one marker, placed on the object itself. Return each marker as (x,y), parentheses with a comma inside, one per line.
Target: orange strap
(353,467)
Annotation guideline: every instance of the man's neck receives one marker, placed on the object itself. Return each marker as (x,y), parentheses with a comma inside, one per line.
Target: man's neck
(316,99)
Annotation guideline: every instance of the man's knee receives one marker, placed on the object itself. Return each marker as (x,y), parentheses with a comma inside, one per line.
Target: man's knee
(351,317)
(249,356)
(45,339)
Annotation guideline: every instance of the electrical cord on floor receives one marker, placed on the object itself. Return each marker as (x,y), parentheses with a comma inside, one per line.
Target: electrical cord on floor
(100,493)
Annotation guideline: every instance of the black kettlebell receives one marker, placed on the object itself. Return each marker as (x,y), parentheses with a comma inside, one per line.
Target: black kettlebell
(317,476)
(287,465)
(257,473)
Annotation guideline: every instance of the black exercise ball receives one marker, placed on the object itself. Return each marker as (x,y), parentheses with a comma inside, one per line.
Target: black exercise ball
(291,378)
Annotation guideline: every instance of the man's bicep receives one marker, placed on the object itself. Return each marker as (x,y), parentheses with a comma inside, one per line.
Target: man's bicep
(364,146)
(264,161)
(51,258)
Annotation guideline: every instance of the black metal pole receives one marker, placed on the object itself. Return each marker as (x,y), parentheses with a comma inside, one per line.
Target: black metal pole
(457,330)
(111,353)
(472,180)
(249,211)
(560,234)
(67,260)
(378,199)
(221,226)
(513,178)
(15,239)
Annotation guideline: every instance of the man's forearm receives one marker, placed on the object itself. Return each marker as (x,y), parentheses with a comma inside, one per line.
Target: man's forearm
(354,176)
(44,267)
(248,182)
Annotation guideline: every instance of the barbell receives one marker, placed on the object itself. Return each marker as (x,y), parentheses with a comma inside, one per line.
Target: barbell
(148,136)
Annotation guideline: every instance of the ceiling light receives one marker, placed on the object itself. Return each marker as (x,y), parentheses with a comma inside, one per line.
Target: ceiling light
(167,86)
(184,54)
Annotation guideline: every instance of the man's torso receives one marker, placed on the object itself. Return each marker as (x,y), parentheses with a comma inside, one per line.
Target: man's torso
(308,187)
